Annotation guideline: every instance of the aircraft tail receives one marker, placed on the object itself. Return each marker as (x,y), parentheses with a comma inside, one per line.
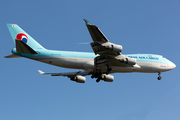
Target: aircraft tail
(24,42)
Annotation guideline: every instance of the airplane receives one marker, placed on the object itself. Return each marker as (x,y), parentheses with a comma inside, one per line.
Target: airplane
(107,57)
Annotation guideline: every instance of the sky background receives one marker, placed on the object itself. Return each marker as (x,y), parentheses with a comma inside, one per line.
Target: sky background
(140,26)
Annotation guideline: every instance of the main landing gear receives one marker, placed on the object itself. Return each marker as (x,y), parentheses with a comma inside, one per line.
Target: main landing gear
(97,73)
(159,78)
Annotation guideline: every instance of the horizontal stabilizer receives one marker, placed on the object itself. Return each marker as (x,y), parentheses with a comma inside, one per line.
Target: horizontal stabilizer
(22,47)
(12,56)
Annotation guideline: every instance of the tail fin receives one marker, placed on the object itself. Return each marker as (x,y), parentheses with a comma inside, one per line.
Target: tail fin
(19,34)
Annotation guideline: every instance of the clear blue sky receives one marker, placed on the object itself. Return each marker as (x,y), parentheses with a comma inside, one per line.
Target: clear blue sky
(140,26)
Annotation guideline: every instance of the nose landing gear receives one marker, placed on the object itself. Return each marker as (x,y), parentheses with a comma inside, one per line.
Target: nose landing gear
(159,78)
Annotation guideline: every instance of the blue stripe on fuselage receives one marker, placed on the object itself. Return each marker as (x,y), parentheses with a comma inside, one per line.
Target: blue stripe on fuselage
(54,53)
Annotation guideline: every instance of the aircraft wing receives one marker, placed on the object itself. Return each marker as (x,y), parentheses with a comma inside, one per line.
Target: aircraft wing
(109,53)
(101,44)
(74,76)
(68,74)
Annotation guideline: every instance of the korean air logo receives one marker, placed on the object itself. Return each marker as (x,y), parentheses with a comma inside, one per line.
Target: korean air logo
(23,37)
(86,21)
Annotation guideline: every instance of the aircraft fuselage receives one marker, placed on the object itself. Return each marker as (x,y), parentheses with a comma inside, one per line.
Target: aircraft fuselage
(147,63)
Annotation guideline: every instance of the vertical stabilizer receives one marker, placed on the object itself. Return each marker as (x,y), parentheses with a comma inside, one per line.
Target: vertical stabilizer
(19,34)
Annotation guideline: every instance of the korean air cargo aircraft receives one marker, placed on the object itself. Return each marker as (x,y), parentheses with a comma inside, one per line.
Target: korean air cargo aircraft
(107,57)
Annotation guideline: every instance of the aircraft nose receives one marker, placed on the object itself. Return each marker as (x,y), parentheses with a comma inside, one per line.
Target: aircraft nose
(172,66)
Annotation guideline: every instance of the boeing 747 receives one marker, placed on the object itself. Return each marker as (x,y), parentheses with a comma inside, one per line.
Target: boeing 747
(106,59)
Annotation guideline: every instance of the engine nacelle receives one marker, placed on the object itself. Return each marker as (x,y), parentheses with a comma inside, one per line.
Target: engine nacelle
(79,79)
(114,47)
(107,78)
(129,61)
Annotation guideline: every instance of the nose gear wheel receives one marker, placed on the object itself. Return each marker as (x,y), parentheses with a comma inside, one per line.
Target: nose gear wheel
(159,78)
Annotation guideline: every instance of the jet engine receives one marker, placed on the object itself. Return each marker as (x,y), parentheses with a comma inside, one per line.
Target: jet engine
(107,78)
(129,61)
(114,47)
(79,79)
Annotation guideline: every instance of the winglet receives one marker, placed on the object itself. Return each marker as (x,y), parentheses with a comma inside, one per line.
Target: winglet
(87,22)
(41,72)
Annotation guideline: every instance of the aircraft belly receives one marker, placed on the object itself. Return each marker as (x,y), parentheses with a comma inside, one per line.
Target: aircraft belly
(145,67)
(74,63)
(123,69)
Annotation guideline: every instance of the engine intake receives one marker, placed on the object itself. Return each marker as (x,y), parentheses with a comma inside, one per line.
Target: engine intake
(79,79)
(107,78)
(129,61)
